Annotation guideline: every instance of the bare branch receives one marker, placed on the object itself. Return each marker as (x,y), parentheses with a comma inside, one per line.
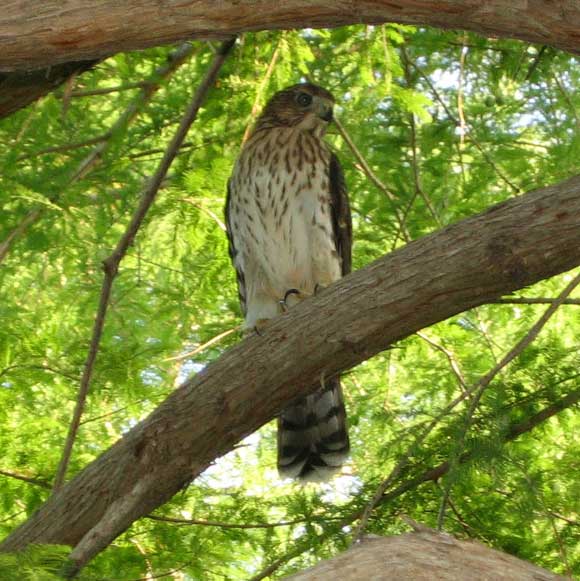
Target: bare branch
(260,93)
(366,169)
(205,345)
(89,30)
(177,58)
(415,153)
(29,219)
(23,478)
(462,266)
(111,264)
(533,301)
(572,522)
(108,90)
(205,210)
(224,525)
(449,355)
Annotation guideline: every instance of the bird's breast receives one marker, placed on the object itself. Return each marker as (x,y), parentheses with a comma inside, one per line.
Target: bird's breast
(282,184)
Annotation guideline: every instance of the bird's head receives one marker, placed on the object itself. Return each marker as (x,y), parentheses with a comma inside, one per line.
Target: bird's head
(305,105)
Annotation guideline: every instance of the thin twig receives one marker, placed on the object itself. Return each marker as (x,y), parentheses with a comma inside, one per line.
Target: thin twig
(415,154)
(188,145)
(107,90)
(535,63)
(29,479)
(11,516)
(224,525)
(63,147)
(472,391)
(460,111)
(561,548)
(259,93)
(373,177)
(568,100)
(111,264)
(570,521)
(40,368)
(174,61)
(29,219)
(469,134)
(203,346)
(205,210)
(529,337)
(178,57)
(141,550)
(450,357)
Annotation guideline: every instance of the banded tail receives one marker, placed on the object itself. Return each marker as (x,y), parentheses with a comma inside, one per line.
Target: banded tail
(313,436)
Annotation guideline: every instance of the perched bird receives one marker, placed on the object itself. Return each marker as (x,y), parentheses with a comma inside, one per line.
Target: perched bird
(290,235)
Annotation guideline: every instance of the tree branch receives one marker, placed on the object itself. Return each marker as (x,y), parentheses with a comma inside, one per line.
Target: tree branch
(32,38)
(111,264)
(19,89)
(225,525)
(429,475)
(23,478)
(484,382)
(150,87)
(464,265)
(533,301)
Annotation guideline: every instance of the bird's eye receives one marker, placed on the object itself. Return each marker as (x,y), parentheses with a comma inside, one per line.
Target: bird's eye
(304,99)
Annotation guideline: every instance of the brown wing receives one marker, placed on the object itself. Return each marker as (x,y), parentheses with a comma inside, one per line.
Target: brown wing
(341,219)
(234,251)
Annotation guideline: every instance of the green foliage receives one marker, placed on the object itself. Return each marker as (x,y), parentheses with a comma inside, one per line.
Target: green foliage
(36,563)
(176,291)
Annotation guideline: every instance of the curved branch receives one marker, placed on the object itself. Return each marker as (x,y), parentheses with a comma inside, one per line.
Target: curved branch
(32,38)
(19,89)
(475,261)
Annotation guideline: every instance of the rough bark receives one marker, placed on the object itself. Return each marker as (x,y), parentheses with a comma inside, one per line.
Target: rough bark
(37,34)
(508,247)
(423,556)
(19,89)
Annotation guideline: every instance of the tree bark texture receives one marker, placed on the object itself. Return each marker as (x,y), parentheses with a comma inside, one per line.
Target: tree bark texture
(477,260)
(423,556)
(19,89)
(38,34)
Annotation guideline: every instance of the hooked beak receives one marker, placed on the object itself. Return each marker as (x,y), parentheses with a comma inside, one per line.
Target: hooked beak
(324,110)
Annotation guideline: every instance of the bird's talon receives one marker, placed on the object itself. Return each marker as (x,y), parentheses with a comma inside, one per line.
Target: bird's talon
(260,326)
(284,301)
(291,291)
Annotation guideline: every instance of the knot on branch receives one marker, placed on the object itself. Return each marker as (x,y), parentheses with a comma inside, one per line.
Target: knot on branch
(502,257)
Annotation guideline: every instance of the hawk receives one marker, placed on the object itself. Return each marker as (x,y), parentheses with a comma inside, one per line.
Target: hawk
(290,234)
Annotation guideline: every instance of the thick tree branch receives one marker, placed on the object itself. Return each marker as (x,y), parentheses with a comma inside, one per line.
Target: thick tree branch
(34,36)
(508,247)
(423,554)
(19,89)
